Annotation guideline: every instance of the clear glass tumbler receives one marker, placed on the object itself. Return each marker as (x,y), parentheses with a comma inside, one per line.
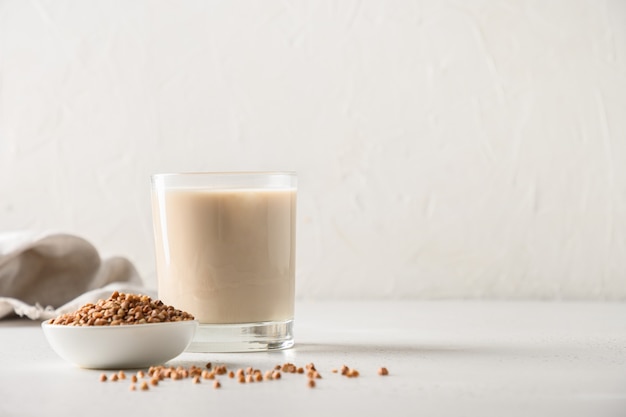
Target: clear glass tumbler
(226,252)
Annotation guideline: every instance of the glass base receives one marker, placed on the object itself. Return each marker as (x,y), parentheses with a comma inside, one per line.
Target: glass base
(243,337)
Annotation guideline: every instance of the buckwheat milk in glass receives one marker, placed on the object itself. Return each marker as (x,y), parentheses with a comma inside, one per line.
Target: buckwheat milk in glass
(226,252)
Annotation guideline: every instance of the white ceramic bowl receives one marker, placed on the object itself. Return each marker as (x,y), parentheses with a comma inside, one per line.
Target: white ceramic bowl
(120,347)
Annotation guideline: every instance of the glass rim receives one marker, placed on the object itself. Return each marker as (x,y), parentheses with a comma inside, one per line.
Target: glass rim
(222,173)
(225,180)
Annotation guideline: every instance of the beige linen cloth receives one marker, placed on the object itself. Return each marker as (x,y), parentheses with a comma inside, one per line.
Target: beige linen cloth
(47,274)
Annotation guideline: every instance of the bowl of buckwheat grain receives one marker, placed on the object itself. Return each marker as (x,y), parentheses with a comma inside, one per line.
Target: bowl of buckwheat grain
(124,331)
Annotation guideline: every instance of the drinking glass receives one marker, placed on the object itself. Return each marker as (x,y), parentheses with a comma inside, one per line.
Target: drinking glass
(225,246)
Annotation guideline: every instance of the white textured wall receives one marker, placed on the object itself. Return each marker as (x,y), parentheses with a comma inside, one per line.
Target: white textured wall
(445,149)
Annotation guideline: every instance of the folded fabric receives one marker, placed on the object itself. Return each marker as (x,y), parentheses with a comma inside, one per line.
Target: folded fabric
(44,275)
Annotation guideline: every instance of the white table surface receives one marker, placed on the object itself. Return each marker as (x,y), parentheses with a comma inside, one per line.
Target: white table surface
(445,359)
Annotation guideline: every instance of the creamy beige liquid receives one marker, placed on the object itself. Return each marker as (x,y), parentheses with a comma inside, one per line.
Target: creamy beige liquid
(227,256)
